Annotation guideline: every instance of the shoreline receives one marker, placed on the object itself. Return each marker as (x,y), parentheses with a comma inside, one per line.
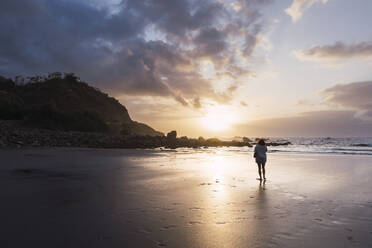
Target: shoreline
(180,150)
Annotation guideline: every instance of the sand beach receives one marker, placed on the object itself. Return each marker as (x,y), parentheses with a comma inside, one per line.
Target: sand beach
(184,198)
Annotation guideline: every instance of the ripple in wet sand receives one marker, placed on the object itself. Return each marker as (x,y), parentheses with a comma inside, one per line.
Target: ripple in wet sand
(161,244)
(195,222)
(196,208)
(169,227)
(221,222)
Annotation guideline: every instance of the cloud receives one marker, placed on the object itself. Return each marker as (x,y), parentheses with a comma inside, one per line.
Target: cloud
(354,117)
(298,7)
(197,103)
(210,42)
(177,17)
(305,102)
(181,100)
(310,124)
(355,95)
(336,51)
(142,48)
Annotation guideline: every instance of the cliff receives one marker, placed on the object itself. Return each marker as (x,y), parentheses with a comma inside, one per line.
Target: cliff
(66,104)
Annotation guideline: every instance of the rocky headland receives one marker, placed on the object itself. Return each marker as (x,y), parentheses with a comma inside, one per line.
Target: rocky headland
(58,111)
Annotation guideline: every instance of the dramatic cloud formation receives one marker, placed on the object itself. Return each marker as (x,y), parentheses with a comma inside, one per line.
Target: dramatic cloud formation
(144,48)
(298,7)
(311,124)
(336,51)
(356,95)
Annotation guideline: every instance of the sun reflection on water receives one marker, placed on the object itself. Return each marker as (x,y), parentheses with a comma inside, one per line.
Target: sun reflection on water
(223,197)
(218,172)
(226,199)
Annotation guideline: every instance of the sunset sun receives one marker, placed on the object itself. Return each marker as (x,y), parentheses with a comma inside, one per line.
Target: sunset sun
(218,118)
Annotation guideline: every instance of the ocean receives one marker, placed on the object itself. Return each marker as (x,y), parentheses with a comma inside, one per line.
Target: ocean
(361,146)
(327,145)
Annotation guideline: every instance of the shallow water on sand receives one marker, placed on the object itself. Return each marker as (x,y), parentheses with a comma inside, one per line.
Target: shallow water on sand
(116,198)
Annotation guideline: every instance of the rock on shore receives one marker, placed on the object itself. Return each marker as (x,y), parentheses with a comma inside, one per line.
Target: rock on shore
(14,135)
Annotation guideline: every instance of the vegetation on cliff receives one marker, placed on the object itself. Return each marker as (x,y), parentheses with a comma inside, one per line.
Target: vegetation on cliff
(65,104)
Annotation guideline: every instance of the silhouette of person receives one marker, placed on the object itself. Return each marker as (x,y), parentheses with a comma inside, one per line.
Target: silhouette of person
(260,155)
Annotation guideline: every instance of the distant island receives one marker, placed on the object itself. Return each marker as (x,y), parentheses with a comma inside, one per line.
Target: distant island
(59,110)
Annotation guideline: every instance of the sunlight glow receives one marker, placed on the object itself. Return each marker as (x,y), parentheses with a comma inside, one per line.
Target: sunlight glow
(218,118)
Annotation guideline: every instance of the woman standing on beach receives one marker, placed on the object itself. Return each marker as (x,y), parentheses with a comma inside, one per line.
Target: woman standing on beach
(260,154)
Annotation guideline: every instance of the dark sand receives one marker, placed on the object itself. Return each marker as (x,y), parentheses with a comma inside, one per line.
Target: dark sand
(134,198)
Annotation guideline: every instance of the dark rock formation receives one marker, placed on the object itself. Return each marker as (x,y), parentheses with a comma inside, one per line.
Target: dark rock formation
(284,143)
(361,145)
(172,135)
(13,134)
(172,140)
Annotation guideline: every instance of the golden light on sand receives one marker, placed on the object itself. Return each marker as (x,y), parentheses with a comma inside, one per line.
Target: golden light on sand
(218,118)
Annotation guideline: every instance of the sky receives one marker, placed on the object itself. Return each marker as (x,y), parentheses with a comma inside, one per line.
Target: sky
(207,68)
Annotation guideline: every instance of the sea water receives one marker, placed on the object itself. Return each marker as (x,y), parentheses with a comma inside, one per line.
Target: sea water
(321,145)
(362,146)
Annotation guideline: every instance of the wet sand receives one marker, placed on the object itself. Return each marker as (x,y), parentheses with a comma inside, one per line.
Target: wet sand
(134,198)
